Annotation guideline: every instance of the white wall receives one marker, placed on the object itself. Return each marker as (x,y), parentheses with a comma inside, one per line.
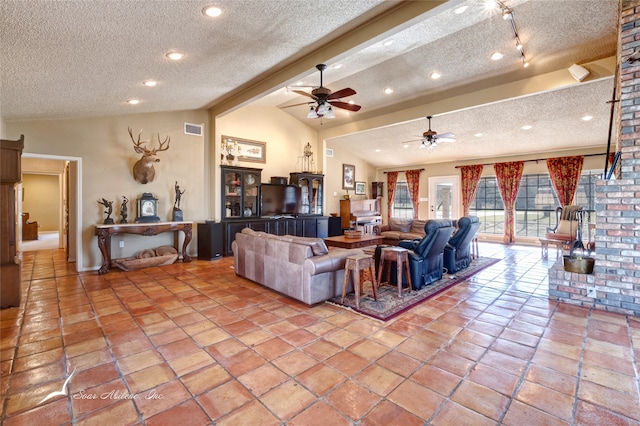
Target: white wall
(108,157)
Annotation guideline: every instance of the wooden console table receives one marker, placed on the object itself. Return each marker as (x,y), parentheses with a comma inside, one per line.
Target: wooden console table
(104,233)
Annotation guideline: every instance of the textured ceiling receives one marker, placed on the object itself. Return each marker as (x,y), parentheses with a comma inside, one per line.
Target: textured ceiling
(85,58)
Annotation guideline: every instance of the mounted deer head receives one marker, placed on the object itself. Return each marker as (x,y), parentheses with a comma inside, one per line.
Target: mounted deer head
(143,170)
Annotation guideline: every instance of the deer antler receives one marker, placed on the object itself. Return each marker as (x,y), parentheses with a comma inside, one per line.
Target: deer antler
(160,148)
(137,144)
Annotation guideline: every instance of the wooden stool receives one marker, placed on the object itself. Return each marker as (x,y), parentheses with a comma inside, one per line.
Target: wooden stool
(401,257)
(358,263)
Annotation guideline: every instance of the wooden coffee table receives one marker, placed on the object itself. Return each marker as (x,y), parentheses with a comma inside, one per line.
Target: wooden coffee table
(349,243)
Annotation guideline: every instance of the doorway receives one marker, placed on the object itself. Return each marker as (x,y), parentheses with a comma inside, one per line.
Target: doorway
(444,197)
(69,205)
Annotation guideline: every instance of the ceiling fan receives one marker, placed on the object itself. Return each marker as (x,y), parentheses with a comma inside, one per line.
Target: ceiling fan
(325,99)
(431,138)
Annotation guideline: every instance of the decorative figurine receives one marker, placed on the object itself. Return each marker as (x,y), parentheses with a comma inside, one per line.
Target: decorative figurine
(108,211)
(177,213)
(123,209)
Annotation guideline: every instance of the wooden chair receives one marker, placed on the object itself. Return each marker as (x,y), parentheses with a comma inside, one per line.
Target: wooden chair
(567,224)
(29,229)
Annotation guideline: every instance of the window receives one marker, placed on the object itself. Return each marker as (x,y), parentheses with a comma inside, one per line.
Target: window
(402,206)
(535,205)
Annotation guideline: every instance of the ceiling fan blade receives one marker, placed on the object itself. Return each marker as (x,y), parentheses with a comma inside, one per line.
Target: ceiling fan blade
(295,105)
(300,92)
(342,93)
(446,137)
(345,105)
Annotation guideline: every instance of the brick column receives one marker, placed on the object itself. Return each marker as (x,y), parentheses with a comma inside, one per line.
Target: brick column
(617,270)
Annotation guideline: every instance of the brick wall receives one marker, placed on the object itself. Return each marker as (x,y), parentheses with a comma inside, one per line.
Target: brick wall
(617,270)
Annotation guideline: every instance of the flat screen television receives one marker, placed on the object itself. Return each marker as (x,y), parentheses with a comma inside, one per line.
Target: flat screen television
(279,200)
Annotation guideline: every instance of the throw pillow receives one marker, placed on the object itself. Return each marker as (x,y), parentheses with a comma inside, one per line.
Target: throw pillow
(400,225)
(567,227)
(318,246)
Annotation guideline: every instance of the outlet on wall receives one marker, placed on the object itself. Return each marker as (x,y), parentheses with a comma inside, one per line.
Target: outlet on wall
(121,244)
(591,292)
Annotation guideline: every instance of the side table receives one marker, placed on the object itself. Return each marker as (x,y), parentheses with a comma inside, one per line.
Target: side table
(400,255)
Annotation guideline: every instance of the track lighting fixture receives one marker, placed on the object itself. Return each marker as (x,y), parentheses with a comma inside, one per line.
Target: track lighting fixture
(508,15)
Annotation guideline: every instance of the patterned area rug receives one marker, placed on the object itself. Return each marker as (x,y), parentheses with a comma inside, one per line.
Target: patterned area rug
(389,304)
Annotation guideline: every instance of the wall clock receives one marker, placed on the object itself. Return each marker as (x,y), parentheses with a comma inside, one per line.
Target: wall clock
(147,208)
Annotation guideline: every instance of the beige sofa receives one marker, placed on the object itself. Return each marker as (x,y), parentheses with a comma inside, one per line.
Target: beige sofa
(302,268)
(397,230)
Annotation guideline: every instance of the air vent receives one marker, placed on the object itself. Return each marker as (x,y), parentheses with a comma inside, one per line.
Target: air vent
(329,152)
(193,129)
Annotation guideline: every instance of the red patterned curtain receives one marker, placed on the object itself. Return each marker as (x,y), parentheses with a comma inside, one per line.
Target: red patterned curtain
(470,178)
(392,178)
(508,176)
(565,176)
(413,182)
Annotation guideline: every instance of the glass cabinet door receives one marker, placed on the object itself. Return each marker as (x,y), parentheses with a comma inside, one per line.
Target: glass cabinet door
(232,194)
(305,208)
(316,196)
(250,201)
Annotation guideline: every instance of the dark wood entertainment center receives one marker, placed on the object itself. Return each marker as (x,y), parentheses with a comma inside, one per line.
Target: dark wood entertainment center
(241,201)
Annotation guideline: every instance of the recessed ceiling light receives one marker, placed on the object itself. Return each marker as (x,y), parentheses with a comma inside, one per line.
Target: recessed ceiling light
(388,90)
(496,56)
(435,75)
(406,145)
(587,118)
(337,66)
(175,56)
(387,43)
(377,150)
(478,135)
(527,127)
(133,101)
(150,83)
(460,10)
(212,11)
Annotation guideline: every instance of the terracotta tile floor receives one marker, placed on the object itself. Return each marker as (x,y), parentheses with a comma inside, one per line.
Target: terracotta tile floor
(193,344)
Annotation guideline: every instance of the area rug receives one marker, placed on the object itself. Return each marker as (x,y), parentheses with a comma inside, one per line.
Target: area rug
(390,305)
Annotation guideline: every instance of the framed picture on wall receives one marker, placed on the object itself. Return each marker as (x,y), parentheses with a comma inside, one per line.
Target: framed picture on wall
(361,188)
(348,176)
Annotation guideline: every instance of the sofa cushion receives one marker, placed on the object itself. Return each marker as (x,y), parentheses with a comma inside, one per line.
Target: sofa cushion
(417,227)
(400,225)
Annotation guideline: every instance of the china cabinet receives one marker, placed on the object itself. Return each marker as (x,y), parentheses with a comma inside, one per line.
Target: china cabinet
(312,187)
(240,192)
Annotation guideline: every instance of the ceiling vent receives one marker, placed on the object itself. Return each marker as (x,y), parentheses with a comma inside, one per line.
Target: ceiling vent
(193,129)
(329,152)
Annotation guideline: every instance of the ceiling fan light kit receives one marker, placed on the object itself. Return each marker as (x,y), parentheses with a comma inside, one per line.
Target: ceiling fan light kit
(430,138)
(325,99)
